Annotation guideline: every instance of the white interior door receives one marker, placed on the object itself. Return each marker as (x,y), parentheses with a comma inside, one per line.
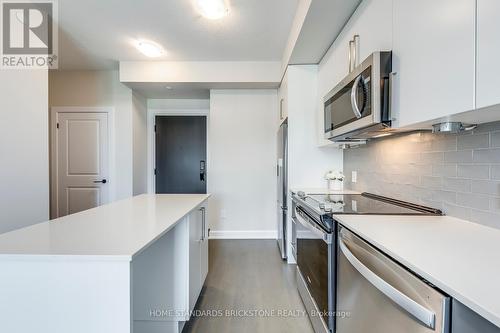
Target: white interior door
(82,147)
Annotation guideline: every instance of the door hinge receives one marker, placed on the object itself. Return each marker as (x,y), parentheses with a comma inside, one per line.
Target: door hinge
(57,125)
(154,171)
(155,128)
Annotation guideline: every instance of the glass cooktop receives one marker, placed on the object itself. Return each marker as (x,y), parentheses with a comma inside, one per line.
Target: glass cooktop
(365,204)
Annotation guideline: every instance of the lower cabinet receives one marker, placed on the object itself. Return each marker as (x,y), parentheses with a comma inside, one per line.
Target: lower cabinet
(168,276)
(464,320)
(198,254)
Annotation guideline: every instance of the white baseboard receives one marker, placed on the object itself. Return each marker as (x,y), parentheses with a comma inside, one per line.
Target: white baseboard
(243,234)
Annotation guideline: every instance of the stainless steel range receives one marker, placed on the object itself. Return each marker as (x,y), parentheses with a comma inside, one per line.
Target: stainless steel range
(315,244)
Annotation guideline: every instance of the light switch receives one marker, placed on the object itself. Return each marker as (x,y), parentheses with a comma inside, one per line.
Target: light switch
(354,176)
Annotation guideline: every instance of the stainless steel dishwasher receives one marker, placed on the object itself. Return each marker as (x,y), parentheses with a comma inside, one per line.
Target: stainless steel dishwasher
(377,295)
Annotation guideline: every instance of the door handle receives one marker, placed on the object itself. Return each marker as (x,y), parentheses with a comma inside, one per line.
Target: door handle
(202,171)
(422,314)
(354,97)
(104,181)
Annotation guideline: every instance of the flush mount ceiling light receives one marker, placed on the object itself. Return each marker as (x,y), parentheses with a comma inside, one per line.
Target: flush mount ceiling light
(212,9)
(149,49)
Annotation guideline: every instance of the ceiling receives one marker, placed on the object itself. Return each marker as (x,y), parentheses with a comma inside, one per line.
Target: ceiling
(96,34)
(324,21)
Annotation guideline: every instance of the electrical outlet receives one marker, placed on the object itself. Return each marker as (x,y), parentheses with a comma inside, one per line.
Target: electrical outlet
(354,177)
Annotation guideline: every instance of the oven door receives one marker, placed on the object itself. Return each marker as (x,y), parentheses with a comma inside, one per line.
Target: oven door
(316,271)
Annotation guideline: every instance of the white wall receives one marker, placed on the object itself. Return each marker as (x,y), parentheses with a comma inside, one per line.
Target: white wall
(140,142)
(178,104)
(242,163)
(101,88)
(228,73)
(24,148)
(308,163)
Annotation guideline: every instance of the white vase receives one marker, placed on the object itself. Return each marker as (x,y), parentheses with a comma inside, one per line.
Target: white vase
(335,185)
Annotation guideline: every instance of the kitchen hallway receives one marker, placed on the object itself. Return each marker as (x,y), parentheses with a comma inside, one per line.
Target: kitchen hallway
(248,289)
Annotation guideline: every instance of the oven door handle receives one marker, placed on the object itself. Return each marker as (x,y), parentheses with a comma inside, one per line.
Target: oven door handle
(310,226)
(422,314)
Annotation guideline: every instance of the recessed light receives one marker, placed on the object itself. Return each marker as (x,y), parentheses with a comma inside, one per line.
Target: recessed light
(213,9)
(150,49)
(169,88)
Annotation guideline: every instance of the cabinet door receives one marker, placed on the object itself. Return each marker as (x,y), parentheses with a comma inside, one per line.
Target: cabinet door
(195,235)
(433,55)
(488,53)
(372,21)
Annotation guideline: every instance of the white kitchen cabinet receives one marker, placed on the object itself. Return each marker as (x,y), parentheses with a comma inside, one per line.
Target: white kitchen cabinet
(198,253)
(283,100)
(433,57)
(372,22)
(169,275)
(488,53)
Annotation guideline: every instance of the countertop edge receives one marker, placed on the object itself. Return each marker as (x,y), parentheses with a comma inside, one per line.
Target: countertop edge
(64,257)
(145,246)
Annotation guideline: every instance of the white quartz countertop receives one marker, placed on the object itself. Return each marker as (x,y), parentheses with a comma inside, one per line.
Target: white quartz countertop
(118,230)
(323,191)
(459,257)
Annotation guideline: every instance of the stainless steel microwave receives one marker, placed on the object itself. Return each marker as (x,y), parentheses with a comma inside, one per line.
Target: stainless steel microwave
(358,108)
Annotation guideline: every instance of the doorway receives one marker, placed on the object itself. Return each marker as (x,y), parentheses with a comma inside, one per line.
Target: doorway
(180,154)
(80,159)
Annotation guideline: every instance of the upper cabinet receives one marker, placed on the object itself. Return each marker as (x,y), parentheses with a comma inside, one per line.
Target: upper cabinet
(372,23)
(488,53)
(444,59)
(433,59)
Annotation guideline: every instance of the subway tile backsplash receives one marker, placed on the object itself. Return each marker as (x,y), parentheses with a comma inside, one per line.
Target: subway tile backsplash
(457,173)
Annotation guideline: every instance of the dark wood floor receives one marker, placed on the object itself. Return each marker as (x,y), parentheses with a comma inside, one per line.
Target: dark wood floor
(249,275)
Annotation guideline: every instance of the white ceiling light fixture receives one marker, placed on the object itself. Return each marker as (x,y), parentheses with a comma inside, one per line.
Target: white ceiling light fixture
(212,9)
(150,49)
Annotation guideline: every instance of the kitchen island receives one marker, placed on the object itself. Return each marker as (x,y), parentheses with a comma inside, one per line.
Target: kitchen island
(136,264)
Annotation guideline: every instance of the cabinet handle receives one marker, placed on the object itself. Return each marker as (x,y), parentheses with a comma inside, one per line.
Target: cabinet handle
(355,39)
(202,209)
(351,43)
(281,109)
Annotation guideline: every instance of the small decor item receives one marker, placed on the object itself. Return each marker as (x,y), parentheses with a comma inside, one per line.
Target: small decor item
(335,180)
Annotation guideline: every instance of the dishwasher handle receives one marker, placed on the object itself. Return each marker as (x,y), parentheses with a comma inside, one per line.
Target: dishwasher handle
(424,315)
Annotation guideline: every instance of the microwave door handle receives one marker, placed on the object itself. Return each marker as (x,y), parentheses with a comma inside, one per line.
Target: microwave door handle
(354,97)
(422,314)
